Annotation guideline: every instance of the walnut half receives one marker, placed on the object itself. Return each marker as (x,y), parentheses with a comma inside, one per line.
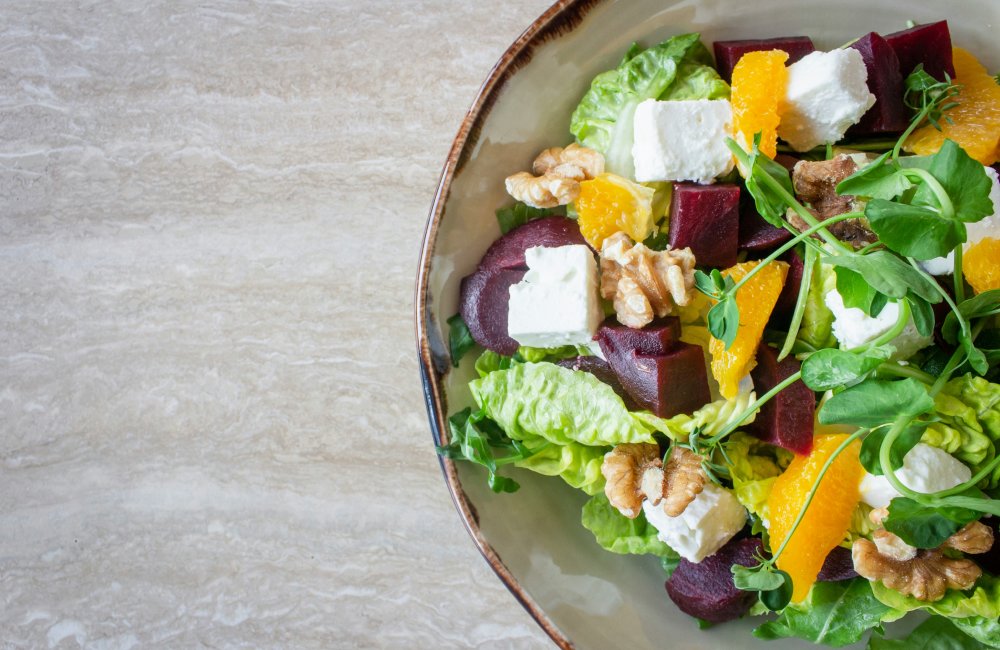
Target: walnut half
(643,283)
(925,574)
(635,473)
(555,176)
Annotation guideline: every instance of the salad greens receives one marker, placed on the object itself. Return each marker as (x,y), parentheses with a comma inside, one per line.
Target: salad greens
(617,533)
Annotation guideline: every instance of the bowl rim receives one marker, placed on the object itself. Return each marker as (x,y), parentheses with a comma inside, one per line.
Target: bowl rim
(560,18)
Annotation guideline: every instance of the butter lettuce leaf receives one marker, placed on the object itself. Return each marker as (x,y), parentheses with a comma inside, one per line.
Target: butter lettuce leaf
(968,426)
(617,533)
(984,630)
(983,601)
(547,401)
(604,118)
(710,419)
(936,633)
(578,465)
(817,319)
(753,467)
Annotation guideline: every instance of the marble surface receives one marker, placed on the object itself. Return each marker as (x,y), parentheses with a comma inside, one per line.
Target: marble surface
(211,428)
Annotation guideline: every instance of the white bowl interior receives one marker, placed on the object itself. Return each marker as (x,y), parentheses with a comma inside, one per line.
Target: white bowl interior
(598,599)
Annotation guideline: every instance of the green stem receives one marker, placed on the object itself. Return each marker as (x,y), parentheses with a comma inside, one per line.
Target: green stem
(815,488)
(893,369)
(958,277)
(917,121)
(885,461)
(800,304)
(750,410)
(804,214)
(972,482)
(902,320)
(941,194)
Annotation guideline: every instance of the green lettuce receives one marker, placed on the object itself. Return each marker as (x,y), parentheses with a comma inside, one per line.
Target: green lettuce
(548,401)
(578,465)
(984,630)
(753,467)
(968,410)
(710,419)
(834,613)
(534,355)
(936,633)
(678,68)
(619,534)
(817,319)
(983,601)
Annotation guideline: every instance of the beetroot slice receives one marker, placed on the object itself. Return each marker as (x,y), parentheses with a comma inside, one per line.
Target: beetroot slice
(889,114)
(706,218)
(706,590)
(756,234)
(928,44)
(508,251)
(659,337)
(602,370)
(667,384)
(485,298)
(728,53)
(793,283)
(786,420)
(839,565)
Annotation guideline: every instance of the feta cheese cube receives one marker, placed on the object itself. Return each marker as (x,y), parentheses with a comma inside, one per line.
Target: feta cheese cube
(988,226)
(925,469)
(682,140)
(853,327)
(704,527)
(557,302)
(827,92)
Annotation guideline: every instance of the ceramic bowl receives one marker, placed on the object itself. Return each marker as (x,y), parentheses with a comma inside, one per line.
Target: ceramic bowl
(583,596)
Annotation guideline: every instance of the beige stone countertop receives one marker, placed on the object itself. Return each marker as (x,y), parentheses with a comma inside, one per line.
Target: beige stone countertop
(211,424)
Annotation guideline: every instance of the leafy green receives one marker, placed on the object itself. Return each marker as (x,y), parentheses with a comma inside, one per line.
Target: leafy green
(619,534)
(817,319)
(534,355)
(520,213)
(923,526)
(982,602)
(983,398)
(557,404)
(696,81)
(829,369)
(753,467)
(875,180)
(875,402)
(984,630)
(981,305)
(476,439)
(872,444)
(773,586)
(603,119)
(956,428)
(965,181)
(834,613)
(578,465)
(889,275)
(896,224)
(759,169)
(709,420)
(936,633)
(459,339)
(856,293)
(489,361)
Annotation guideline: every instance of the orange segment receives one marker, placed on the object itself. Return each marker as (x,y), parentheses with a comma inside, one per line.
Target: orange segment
(759,82)
(609,204)
(976,126)
(756,300)
(829,514)
(981,265)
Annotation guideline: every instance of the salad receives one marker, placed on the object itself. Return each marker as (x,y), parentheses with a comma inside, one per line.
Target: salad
(753,311)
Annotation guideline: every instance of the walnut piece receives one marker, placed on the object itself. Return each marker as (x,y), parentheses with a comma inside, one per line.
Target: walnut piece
(925,574)
(684,481)
(816,185)
(643,283)
(626,467)
(557,175)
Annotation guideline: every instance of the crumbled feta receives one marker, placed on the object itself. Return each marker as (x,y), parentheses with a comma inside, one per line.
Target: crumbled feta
(557,302)
(853,327)
(988,226)
(704,527)
(827,92)
(682,140)
(925,469)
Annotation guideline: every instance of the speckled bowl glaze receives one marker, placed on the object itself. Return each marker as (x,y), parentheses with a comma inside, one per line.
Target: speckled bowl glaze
(583,596)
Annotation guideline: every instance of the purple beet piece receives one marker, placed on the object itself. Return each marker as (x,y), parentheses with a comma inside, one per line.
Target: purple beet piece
(659,337)
(786,420)
(485,297)
(508,251)
(705,590)
(990,560)
(666,384)
(728,53)
(706,218)
(793,282)
(928,44)
(889,114)
(839,565)
(757,234)
(602,370)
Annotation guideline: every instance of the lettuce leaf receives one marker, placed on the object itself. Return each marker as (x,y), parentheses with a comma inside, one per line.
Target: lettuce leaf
(578,465)
(817,319)
(984,601)
(936,633)
(834,613)
(603,119)
(710,419)
(968,408)
(753,467)
(534,355)
(548,401)
(984,630)
(617,533)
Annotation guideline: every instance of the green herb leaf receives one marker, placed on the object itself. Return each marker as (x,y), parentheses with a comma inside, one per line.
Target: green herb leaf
(757,578)
(459,339)
(473,438)
(923,526)
(855,292)
(872,444)
(965,181)
(922,314)
(876,402)
(835,613)
(985,304)
(831,368)
(778,598)
(519,214)
(912,230)
(724,320)
(876,180)
(889,274)
(936,633)
(770,205)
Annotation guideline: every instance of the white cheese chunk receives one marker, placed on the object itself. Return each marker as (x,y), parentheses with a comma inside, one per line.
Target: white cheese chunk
(925,469)
(557,302)
(704,527)
(853,327)
(977,231)
(827,92)
(682,140)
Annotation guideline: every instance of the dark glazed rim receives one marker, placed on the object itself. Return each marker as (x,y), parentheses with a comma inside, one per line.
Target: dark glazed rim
(559,19)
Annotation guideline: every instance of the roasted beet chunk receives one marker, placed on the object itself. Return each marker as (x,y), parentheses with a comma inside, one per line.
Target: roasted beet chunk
(602,370)
(786,420)
(928,44)
(728,53)
(706,590)
(839,565)
(889,114)
(485,297)
(508,251)
(706,218)
(659,337)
